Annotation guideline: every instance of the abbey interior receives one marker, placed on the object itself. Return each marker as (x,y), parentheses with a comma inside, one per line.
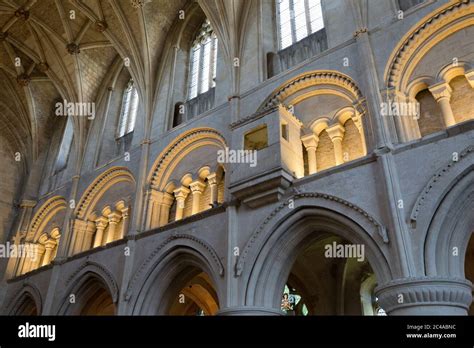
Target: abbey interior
(236,157)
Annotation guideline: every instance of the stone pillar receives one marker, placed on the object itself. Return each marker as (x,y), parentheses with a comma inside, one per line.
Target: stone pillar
(114,219)
(310,143)
(49,247)
(154,208)
(336,133)
(180,195)
(357,119)
(197,188)
(125,220)
(212,182)
(425,296)
(88,235)
(101,224)
(166,204)
(442,93)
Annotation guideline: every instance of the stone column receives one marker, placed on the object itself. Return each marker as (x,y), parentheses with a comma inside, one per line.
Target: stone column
(114,219)
(180,195)
(212,182)
(125,220)
(49,247)
(336,133)
(88,235)
(425,296)
(197,188)
(442,93)
(166,204)
(101,224)
(310,143)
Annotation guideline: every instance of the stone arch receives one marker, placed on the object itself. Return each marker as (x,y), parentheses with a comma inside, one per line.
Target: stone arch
(87,279)
(170,179)
(43,215)
(149,290)
(284,232)
(430,30)
(28,294)
(95,225)
(314,83)
(99,186)
(444,217)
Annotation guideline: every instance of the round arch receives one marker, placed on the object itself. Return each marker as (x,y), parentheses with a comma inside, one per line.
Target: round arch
(164,273)
(99,186)
(170,157)
(272,250)
(47,211)
(314,83)
(433,28)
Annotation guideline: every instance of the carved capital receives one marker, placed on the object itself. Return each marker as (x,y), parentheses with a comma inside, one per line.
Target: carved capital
(441,91)
(310,141)
(181,193)
(336,132)
(197,187)
(101,222)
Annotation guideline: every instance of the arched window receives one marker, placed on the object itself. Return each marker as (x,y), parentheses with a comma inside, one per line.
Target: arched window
(128,113)
(65,147)
(297,19)
(203,61)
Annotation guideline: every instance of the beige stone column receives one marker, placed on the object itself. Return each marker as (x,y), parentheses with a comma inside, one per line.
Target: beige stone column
(125,221)
(336,133)
(49,247)
(197,188)
(114,219)
(212,182)
(88,236)
(442,93)
(101,224)
(154,208)
(166,204)
(180,194)
(310,143)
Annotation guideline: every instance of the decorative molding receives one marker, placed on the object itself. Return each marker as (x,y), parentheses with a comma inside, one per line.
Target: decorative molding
(175,236)
(425,291)
(100,270)
(176,148)
(27,289)
(418,37)
(241,260)
(48,209)
(422,198)
(100,184)
(314,78)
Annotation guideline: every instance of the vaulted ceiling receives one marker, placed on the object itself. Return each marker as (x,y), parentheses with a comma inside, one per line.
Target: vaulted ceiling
(52,50)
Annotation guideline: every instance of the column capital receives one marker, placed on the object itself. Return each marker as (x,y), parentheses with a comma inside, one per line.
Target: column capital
(101,222)
(114,218)
(310,141)
(470,77)
(425,296)
(26,203)
(181,193)
(168,199)
(440,91)
(50,244)
(336,132)
(197,187)
(212,179)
